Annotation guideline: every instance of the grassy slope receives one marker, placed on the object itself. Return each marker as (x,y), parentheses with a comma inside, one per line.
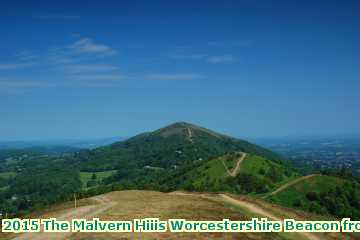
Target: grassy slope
(299,190)
(86,176)
(213,175)
(255,165)
(212,170)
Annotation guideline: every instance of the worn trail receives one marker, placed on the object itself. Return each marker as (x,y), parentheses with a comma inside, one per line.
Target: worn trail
(87,212)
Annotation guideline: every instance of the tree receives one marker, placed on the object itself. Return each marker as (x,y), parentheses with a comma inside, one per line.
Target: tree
(312,196)
(297,203)
(93,177)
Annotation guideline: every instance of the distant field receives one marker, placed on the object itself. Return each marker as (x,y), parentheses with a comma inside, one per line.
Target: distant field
(3,188)
(7,174)
(87,176)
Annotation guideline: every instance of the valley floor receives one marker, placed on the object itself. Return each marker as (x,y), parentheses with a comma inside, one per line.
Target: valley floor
(128,205)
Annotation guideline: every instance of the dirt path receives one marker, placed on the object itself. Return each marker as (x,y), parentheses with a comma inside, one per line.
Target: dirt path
(236,170)
(190,135)
(81,212)
(256,209)
(251,207)
(289,184)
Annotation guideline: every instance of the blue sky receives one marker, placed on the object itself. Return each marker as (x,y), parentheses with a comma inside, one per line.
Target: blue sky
(74,69)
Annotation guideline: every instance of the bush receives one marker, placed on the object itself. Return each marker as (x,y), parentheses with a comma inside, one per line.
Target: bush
(312,196)
(297,203)
(274,174)
(250,183)
(91,183)
(316,208)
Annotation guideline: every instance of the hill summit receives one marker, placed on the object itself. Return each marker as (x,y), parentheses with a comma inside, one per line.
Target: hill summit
(174,145)
(186,129)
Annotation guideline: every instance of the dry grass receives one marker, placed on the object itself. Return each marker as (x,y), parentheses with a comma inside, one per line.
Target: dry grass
(143,204)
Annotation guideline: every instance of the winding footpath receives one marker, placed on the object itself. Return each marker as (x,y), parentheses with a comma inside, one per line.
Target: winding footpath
(236,170)
(256,209)
(291,183)
(249,206)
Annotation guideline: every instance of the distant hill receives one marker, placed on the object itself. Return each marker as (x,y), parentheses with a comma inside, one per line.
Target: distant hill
(169,147)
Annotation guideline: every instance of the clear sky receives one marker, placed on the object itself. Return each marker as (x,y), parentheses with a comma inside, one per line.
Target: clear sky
(93,69)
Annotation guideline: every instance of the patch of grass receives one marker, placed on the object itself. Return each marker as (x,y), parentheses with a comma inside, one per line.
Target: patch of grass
(7,174)
(265,168)
(87,176)
(230,160)
(211,171)
(4,188)
(298,192)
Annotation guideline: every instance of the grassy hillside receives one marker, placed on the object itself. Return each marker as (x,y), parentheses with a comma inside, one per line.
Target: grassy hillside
(213,172)
(322,194)
(273,173)
(257,175)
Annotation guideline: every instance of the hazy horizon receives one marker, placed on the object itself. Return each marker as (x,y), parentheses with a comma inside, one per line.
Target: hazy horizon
(249,69)
(122,137)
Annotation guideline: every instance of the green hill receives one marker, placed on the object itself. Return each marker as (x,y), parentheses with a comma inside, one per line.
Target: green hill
(169,147)
(253,174)
(321,194)
(273,173)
